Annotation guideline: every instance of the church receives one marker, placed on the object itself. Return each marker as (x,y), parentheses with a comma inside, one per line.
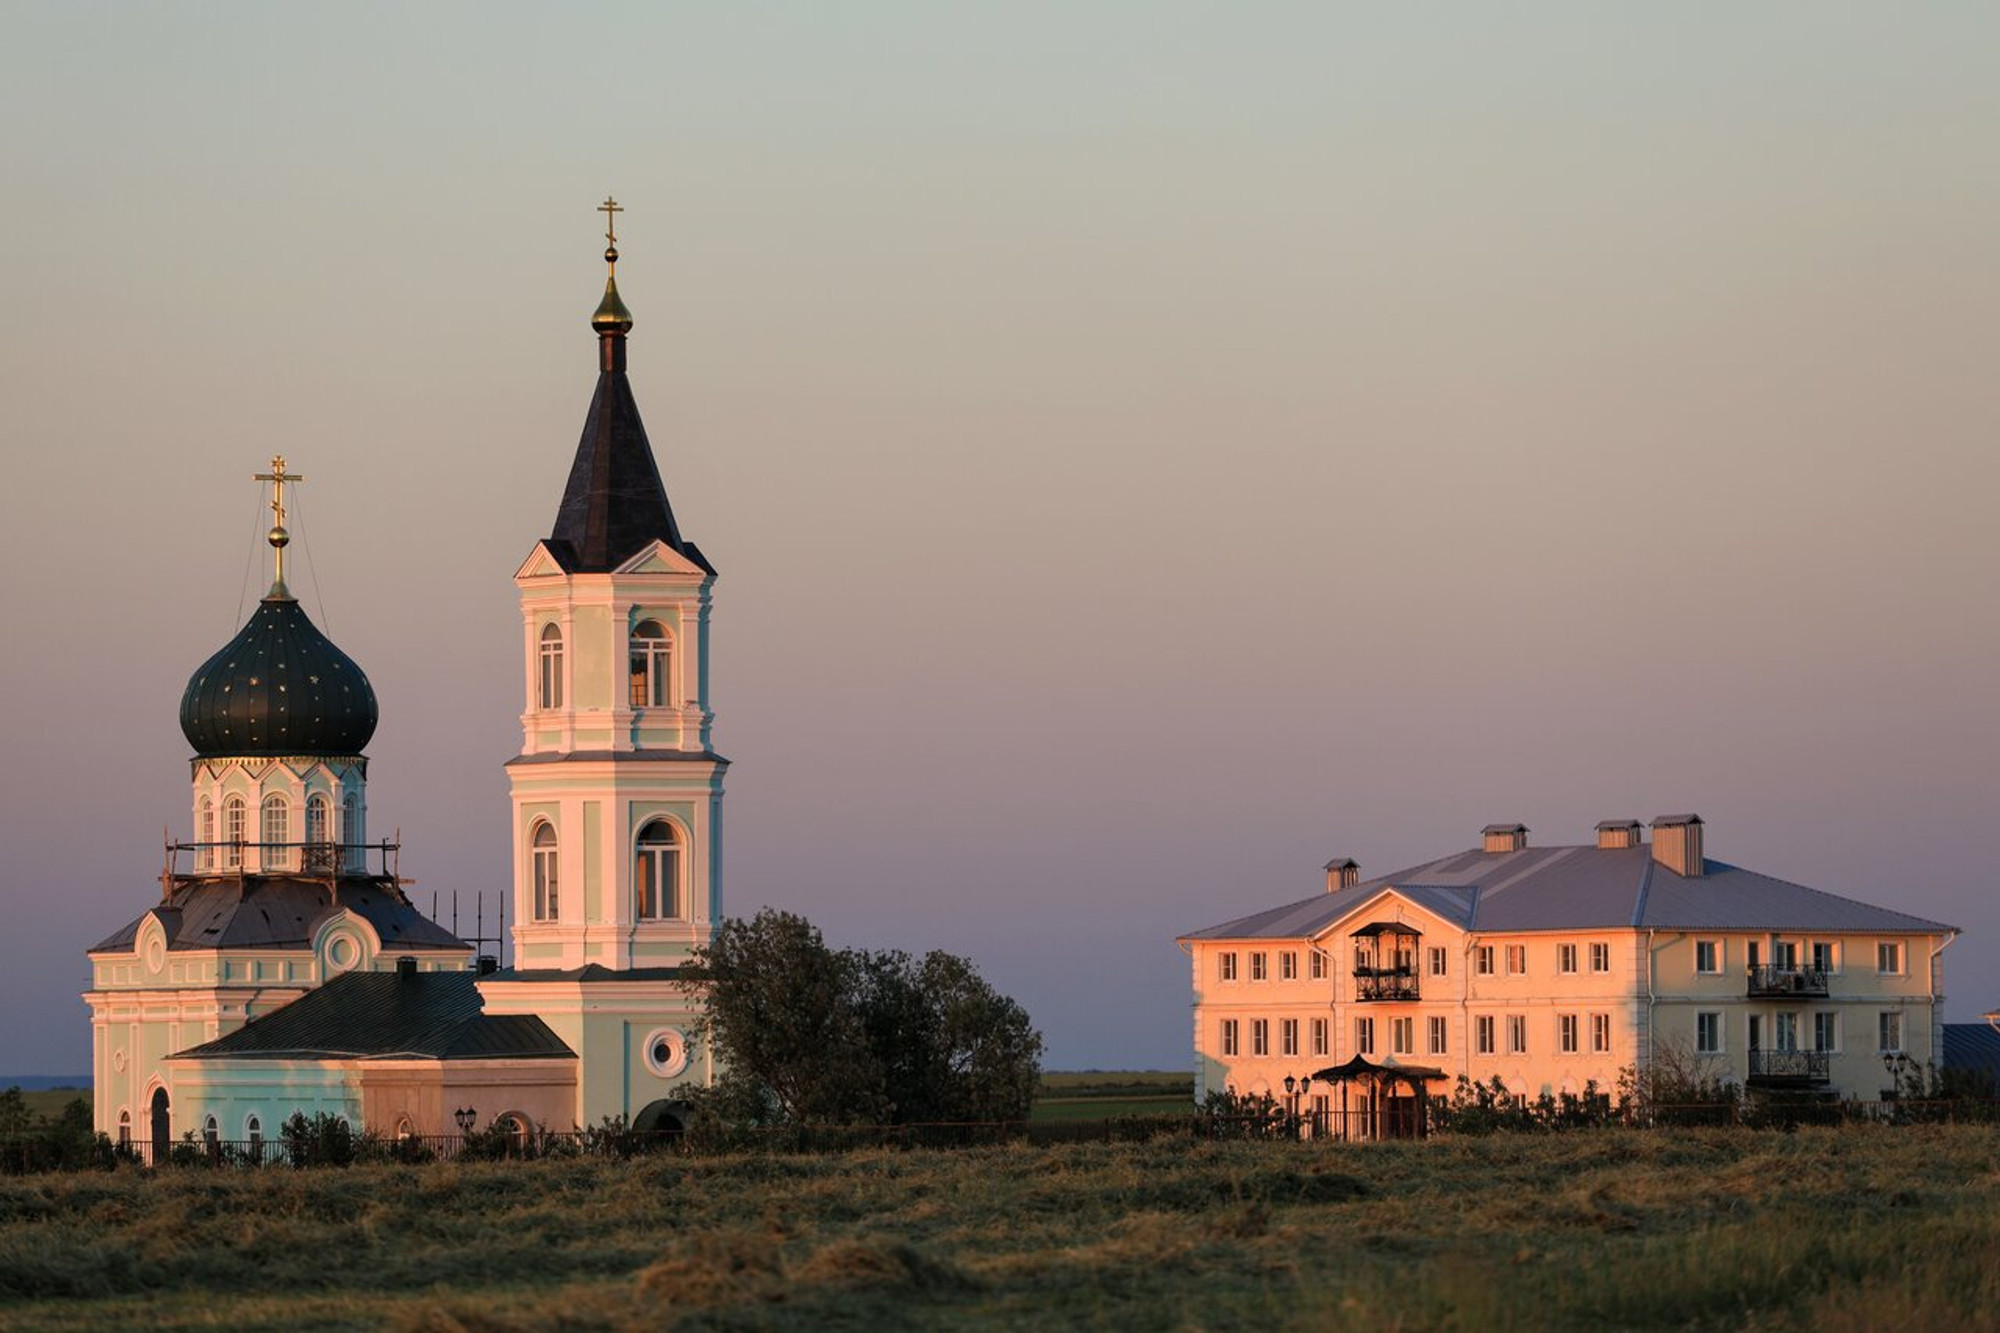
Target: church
(284,968)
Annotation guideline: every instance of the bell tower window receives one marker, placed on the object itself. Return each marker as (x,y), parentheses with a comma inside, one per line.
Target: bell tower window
(319,837)
(206,837)
(550,695)
(276,833)
(657,879)
(350,828)
(652,666)
(234,816)
(547,907)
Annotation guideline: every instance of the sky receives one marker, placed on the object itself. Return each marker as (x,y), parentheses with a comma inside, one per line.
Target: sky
(1149,448)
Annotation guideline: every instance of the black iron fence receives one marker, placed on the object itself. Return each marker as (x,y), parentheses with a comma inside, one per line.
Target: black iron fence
(1802,1067)
(1779,980)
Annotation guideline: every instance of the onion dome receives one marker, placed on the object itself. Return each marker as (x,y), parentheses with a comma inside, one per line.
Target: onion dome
(280,687)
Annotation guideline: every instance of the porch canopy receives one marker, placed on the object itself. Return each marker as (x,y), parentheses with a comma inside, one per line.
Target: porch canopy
(1387,928)
(1362,1068)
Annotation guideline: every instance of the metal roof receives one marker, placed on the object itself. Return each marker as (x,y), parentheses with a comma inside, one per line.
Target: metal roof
(1972,1046)
(386,1015)
(1505,828)
(1578,888)
(282,912)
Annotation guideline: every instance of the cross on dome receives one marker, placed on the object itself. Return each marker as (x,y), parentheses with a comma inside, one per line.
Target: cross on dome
(278,537)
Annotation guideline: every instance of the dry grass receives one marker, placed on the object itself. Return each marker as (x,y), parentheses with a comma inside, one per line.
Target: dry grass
(1827,1230)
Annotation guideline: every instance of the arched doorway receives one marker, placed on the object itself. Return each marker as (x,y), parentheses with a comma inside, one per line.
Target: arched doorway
(163,1129)
(663,1120)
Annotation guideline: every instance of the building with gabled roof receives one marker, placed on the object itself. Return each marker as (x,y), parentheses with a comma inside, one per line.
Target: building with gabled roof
(1556,968)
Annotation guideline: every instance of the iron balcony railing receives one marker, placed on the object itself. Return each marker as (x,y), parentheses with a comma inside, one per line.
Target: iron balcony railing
(1790,1066)
(1779,981)
(1385,983)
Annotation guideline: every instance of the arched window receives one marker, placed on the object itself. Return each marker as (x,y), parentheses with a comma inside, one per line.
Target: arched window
(551,655)
(277,832)
(350,830)
(234,816)
(124,1129)
(656,879)
(319,832)
(253,1130)
(211,1133)
(547,907)
(652,666)
(206,857)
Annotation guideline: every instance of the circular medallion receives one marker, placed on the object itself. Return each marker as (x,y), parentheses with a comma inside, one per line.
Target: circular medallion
(666,1052)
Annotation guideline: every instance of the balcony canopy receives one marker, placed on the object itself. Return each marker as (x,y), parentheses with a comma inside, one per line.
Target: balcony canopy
(1387,928)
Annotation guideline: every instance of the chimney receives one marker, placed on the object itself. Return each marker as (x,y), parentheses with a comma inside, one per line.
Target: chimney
(406,966)
(1677,844)
(1342,873)
(1506,837)
(487,965)
(1615,835)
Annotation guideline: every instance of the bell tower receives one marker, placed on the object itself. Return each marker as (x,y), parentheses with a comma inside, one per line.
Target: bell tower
(617,793)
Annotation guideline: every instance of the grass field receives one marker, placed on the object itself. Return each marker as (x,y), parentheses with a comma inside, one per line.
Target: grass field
(1097,1094)
(50,1101)
(1827,1230)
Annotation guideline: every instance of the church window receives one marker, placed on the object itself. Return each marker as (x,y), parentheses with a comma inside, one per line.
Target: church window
(234,815)
(124,1129)
(211,1133)
(652,666)
(350,828)
(547,907)
(253,1130)
(657,879)
(206,856)
(319,834)
(276,832)
(551,657)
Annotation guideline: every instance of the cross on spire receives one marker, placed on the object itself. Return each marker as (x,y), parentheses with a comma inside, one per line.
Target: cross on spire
(278,537)
(611,208)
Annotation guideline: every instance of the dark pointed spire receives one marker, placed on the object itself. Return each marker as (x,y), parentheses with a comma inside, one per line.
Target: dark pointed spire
(615,503)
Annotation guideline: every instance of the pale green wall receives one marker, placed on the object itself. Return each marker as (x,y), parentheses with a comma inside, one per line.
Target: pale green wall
(592,675)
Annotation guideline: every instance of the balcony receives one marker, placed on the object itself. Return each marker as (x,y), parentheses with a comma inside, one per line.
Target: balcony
(1385,983)
(1776,981)
(1789,1069)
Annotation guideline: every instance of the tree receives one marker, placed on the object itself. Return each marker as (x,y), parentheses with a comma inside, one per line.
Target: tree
(809,1034)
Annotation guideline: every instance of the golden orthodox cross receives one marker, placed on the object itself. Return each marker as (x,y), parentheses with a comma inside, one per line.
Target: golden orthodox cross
(611,208)
(279,538)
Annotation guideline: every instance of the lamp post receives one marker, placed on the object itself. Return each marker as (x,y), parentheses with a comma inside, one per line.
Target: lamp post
(465,1116)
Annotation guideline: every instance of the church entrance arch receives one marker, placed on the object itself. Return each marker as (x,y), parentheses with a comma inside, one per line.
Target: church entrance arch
(163,1129)
(663,1121)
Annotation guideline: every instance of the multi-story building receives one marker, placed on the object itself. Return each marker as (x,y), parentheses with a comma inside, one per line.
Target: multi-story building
(1555,968)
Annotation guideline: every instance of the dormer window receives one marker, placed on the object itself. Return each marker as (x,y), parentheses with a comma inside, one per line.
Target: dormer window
(652,666)
(550,653)
(547,907)
(656,881)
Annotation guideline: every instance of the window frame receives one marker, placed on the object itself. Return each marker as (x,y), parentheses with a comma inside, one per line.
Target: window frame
(552,675)
(1517,960)
(1826,1031)
(1402,1035)
(1715,958)
(1364,1035)
(1600,957)
(651,854)
(1830,950)
(1288,965)
(1316,964)
(1888,1025)
(274,831)
(1225,965)
(1440,960)
(1260,1037)
(1319,1037)
(1260,966)
(545,871)
(1437,1034)
(1568,1034)
(235,818)
(1566,958)
(1231,1038)
(1517,1034)
(1600,1034)
(1482,960)
(1891,950)
(1288,1036)
(650,668)
(1484,1039)
(1718,1032)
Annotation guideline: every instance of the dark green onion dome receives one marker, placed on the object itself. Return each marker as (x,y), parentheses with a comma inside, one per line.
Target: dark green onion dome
(279,687)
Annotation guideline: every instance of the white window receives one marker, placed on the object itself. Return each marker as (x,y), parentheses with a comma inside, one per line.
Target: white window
(1482,960)
(1566,1033)
(1786,1027)
(277,832)
(1435,1024)
(1288,965)
(1600,957)
(1229,1036)
(1785,955)
(652,666)
(656,880)
(205,859)
(1517,1034)
(1708,1034)
(1438,960)
(1889,1032)
(1258,967)
(319,832)
(1826,1031)
(1482,1034)
(124,1128)
(1317,965)
(350,828)
(1566,958)
(1600,1033)
(1402,1036)
(253,1130)
(551,658)
(1889,960)
(1708,956)
(1225,966)
(1260,1036)
(1517,960)
(235,813)
(548,904)
(1823,956)
(211,1133)
(1319,1036)
(1364,1036)
(1288,1036)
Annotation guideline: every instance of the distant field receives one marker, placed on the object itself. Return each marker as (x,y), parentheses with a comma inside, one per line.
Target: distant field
(1100,1094)
(50,1101)
(1827,1231)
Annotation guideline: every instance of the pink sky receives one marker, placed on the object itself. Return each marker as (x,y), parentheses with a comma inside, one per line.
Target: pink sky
(1149,448)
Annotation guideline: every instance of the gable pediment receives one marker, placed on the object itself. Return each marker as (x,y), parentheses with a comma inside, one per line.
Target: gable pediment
(659,558)
(540,564)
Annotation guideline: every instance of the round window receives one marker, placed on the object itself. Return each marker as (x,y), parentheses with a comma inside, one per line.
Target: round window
(342,953)
(666,1052)
(156,954)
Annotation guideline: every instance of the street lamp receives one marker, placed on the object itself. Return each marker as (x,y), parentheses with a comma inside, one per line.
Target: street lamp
(465,1116)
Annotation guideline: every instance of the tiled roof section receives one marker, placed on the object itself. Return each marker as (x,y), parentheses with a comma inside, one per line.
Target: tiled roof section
(1974,1046)
(1583,888)
(283,912)
(385,1015)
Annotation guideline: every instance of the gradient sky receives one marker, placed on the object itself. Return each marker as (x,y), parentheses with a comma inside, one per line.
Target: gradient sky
(1149,448)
